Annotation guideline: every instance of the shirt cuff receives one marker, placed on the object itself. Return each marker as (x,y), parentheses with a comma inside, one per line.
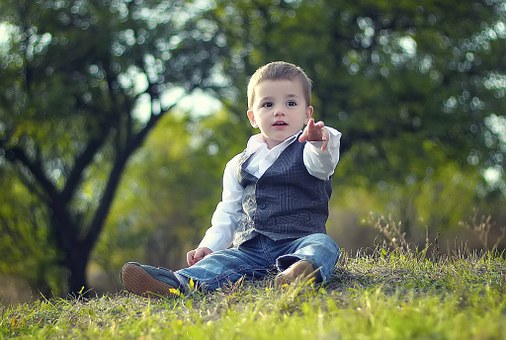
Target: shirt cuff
(213,241)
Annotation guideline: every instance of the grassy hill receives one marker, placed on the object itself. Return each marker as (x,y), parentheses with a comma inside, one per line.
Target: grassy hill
(400,294)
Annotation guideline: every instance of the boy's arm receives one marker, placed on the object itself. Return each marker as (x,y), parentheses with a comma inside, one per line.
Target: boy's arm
(195,255)
(228,211)
(321,154)
(315,132)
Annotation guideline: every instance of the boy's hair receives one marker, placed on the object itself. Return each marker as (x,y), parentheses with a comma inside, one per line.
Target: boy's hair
(279,70)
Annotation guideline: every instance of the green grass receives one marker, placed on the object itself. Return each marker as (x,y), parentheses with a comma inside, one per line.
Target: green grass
(398,295)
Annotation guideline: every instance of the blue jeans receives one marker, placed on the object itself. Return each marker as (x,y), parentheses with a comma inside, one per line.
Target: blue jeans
(256,257)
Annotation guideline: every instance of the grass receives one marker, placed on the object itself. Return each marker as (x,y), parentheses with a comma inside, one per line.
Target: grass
(400,294)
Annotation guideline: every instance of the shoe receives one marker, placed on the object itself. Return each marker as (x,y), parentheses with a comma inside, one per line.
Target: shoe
(300,271)
(145,280)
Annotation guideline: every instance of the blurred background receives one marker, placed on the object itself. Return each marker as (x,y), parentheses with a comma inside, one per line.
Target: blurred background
(117,118)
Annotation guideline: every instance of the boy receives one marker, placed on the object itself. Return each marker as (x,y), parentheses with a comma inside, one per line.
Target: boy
(275,198)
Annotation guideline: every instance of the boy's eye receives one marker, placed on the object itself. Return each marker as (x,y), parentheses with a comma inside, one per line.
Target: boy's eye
(267,104)
(291,103)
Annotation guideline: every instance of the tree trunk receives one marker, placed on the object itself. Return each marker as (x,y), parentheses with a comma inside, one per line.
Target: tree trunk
(76,262)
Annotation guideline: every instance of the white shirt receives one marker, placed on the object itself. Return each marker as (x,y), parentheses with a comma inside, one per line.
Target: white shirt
(224,222)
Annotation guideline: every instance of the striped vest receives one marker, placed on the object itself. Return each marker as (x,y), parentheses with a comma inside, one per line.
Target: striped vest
(285,202)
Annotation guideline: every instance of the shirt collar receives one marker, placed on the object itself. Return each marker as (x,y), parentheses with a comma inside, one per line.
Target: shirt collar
(256,142)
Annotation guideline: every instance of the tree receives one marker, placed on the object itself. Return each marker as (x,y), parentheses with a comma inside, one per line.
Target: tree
(83,84)
(180,185)
(399,79)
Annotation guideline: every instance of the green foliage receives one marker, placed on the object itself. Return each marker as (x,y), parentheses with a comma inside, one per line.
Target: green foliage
(400,80)
(25,246)
(168,193)
(420,101)
(438,200)
(75,76)
(396,295)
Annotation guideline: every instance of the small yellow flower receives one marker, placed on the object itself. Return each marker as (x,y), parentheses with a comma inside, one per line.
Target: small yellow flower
(175,291)
(191,284)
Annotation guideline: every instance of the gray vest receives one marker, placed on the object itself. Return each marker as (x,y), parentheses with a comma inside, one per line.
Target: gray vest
(285,202)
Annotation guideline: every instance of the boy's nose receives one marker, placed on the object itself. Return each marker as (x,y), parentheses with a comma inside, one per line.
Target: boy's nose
(278,112)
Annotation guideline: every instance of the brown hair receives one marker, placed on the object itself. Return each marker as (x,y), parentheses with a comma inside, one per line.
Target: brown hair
(279,70)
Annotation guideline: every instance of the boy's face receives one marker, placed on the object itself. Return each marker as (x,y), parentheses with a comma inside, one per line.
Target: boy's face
(279,110)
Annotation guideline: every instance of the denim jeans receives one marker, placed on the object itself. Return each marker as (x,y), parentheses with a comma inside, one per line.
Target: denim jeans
(256,257)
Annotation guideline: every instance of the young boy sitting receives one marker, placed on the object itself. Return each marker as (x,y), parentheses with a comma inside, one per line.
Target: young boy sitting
(275,198)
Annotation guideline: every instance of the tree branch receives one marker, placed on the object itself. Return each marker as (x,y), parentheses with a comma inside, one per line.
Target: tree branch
(80,164)
(63,234)
(17,154)
(117,170)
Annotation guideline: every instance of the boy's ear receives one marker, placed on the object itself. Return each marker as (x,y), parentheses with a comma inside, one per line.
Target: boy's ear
(251,118)
(309,114)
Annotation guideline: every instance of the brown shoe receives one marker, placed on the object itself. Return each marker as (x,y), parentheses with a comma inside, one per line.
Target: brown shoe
(146,280)
(302,271)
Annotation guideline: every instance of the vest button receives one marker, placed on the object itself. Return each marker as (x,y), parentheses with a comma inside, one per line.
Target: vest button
(262,206)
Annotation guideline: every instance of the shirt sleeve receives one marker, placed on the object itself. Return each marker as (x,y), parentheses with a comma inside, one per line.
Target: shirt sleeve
(322,164)
(225,218)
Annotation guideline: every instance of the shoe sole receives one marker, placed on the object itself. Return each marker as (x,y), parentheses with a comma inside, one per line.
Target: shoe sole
(136,280)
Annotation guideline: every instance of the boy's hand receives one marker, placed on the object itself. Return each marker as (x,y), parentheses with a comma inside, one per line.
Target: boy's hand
(315,132)
(195,255)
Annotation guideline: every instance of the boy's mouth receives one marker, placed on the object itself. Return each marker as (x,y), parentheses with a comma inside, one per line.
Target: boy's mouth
(279,123)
